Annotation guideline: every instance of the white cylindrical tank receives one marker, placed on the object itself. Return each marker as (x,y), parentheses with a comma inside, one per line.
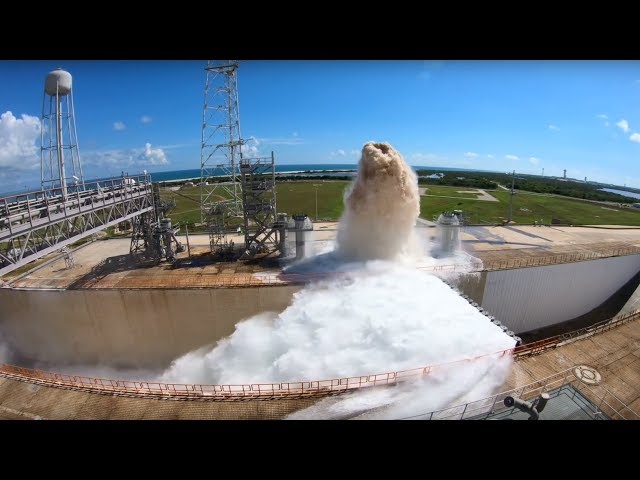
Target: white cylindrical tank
(57,80)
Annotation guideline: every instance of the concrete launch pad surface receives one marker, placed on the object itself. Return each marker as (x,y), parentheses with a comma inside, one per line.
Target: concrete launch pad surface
(105,264)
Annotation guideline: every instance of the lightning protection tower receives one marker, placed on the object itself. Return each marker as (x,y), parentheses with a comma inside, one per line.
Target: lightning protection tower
(59,156)
(220,190)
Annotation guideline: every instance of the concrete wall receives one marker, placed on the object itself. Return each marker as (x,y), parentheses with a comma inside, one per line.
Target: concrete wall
(529,298)
(149,328)
(127,328)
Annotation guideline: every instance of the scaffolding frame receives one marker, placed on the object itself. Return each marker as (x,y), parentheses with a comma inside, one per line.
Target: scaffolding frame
(221,145)
(258,180)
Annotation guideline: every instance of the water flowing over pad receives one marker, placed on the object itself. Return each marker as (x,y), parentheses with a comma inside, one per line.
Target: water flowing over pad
(380,314)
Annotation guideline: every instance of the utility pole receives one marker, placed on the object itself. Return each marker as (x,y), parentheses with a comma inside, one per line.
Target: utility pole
(316,187)
(513,180)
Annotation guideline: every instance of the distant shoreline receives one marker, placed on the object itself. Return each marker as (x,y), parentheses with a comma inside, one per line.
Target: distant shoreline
(285,173)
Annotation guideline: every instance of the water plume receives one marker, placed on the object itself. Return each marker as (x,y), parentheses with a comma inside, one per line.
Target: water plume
(381,207)
(381,314)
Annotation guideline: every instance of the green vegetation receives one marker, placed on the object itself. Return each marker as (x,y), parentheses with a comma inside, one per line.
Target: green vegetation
(459,179)
(530,207)
(299,197)
(187,210)
(291,197)
(24,268)
(449,191)
(530,183)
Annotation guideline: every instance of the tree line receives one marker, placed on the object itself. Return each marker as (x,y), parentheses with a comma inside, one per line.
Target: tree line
(529,183)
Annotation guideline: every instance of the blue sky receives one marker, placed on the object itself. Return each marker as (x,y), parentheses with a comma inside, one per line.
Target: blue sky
(493,115)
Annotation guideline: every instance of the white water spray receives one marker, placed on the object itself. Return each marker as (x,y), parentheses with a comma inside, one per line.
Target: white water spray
(383,315)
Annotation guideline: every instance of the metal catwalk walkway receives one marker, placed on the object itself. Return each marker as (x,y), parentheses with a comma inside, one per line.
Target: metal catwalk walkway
(36,223)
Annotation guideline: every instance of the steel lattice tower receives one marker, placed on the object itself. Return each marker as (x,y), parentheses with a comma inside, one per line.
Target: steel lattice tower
(58,138)
(221,146)
(248,186)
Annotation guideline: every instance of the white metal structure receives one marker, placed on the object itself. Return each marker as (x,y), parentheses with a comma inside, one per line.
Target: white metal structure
(59,156)
(36,223)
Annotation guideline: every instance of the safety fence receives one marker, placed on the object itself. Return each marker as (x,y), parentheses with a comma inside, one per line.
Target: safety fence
(237,391)
(556,259)
(282,389)
(602,403)
(534,348)
(472,267)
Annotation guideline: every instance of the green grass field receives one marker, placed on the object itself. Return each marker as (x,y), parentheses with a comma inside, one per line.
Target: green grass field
(448,191)
(291,197)
(300,197)
(530,207)
(187,209)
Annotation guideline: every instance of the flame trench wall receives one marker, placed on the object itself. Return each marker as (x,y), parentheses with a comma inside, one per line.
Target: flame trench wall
(127,328)
(149,328)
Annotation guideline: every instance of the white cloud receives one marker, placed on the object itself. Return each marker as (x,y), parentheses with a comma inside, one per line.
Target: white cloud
(152,156)
(635,137)
(125,158)
(624,125)
(18,136)
(250,147)
(338,153)
(604,117)
(355,152)
(489,155)
(511,157)
(553,128)
(119,125)
(146,119)
(470,154)
(534,160)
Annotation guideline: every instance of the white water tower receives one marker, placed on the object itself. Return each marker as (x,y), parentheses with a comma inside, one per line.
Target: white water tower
(59,156)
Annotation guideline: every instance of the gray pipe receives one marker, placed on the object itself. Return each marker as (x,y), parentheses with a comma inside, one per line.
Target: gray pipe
(532,408)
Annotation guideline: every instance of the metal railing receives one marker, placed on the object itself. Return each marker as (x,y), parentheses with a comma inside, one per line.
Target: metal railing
(34,224)
(535,348)
(284,389)
(232,391)
(604,401)
(556,259)
(34,207)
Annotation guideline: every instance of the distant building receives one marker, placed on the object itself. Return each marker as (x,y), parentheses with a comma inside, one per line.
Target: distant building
(435,175)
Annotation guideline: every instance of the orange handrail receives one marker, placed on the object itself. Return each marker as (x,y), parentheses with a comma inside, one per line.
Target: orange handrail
(280,389)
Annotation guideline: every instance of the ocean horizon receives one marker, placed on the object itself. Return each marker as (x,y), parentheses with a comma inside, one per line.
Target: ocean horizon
(316,167)
(192,173)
